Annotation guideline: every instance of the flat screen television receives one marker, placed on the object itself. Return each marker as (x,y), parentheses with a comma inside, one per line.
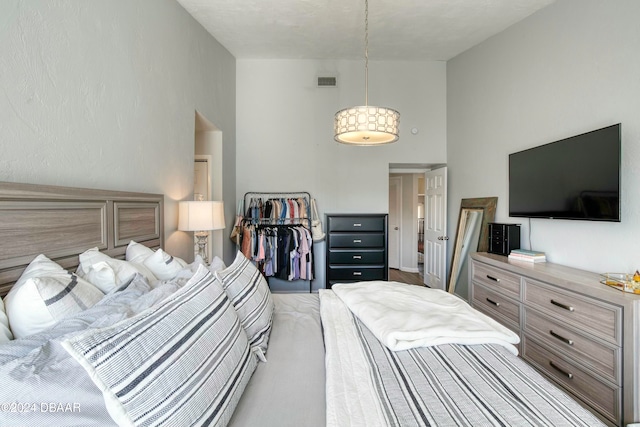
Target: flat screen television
(574,178)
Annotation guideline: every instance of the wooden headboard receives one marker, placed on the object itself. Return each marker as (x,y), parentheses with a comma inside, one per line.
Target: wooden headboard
(63,222)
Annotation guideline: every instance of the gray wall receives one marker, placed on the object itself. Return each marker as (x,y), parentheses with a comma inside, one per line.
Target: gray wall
(285,129)
(103,94)
(568,69)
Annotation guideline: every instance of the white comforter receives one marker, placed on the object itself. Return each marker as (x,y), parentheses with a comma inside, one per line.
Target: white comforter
(406,316)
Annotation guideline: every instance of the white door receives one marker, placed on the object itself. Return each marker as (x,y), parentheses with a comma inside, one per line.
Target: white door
(395,214)
(435,227)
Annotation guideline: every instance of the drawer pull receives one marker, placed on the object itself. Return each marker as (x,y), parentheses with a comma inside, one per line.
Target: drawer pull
(561,338)
(497,304)
(357,240)
(561,305)
(357,224)
(562,371)
(357,257)
(492,278)
(357,273)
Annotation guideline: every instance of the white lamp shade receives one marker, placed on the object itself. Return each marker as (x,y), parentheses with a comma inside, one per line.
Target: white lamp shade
(200,216)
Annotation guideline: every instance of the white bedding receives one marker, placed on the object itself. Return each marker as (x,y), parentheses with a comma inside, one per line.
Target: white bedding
(350,389)
(405,316)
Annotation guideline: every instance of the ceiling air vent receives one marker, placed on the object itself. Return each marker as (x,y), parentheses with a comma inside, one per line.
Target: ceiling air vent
(327,82)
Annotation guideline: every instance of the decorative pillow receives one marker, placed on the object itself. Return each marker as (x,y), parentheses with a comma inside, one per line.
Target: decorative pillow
(185,361)
(137,252)
(107,273)
(45,294)
(5,332)
(163,265)
(250,295)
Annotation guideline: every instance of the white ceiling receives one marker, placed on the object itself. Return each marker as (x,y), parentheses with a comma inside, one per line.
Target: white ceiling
(334,29)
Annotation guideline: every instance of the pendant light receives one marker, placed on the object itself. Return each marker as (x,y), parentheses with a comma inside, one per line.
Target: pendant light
(366,124)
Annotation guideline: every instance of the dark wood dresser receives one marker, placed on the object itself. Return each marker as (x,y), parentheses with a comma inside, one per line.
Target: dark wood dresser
(357,248)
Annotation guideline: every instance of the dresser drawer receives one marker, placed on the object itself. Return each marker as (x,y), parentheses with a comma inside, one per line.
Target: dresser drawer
(357,240)
(358,257)
(357,273)
(604,359)
(602,396)
(499,280)
(497,306)
(356,223)
(591,316)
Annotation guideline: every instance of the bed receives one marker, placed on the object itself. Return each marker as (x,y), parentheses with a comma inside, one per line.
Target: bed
(210,345)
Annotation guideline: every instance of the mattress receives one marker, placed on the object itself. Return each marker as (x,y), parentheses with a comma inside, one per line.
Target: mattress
(289,389)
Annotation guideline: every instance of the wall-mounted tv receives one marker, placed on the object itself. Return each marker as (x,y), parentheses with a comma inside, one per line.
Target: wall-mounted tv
(574,178)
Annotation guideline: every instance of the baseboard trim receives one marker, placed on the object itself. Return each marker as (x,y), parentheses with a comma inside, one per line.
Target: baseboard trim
(409,270)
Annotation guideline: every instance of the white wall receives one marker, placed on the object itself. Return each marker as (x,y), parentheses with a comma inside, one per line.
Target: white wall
(103,94)
(570,68)
(285,129)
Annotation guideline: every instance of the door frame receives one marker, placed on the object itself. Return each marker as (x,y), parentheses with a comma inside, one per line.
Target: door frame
(398,210)
(414,171)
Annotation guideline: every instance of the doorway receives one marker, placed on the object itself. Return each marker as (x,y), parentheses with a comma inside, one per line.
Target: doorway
(419,260)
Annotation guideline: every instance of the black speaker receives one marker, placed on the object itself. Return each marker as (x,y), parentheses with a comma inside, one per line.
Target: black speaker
(503,238)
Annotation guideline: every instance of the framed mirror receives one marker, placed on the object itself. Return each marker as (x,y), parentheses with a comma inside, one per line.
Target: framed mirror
(472,235)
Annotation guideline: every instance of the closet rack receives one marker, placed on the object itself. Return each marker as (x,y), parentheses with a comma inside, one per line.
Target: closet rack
(256,207)
(264,196)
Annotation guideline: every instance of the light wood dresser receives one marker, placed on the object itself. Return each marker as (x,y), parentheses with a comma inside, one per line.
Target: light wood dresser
(581,334)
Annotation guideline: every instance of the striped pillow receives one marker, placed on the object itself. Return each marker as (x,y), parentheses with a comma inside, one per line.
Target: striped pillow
(250,295)
(185,361)
(45,294)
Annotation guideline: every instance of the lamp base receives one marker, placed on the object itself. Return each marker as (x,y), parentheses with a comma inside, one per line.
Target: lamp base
(202,245)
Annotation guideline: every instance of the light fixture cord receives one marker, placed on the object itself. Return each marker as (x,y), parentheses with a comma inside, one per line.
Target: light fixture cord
(366,52)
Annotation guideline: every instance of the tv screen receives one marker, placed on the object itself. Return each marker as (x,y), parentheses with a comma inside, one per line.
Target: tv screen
(574,178)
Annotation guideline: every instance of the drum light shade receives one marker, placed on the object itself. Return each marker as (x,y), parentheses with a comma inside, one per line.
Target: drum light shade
(366,125)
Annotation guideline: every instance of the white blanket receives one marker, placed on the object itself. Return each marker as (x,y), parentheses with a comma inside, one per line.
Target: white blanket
(407,316)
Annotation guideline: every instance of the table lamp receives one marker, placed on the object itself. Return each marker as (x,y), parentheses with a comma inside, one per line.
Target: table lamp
(201,217)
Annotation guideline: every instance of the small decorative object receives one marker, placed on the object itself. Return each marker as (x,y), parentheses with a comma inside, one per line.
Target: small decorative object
(317,233)
(622,281)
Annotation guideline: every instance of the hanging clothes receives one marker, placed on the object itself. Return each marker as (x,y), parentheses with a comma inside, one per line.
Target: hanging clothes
(276,235)
(280,250)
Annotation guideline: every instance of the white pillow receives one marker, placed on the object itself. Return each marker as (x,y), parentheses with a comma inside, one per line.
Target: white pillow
(137,252)
(5,332)
(108,273)
(216,265)
(163,265)
(45,294)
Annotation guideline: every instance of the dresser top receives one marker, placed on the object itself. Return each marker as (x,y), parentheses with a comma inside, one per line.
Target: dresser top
(581,281)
